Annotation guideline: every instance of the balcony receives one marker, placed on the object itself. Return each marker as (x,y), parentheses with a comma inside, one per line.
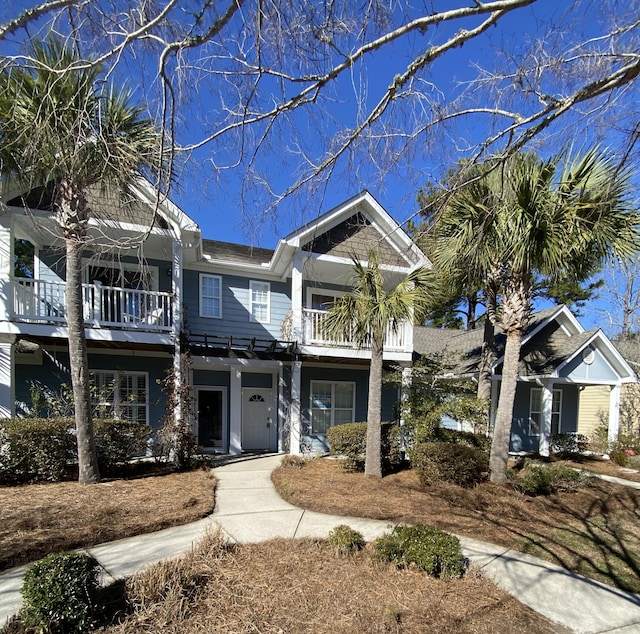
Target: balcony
(313,334)
(41,301)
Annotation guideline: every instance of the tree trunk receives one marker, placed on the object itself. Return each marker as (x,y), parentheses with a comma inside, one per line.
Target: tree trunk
(515,317)
(72,220)
(488,354)
(373,457)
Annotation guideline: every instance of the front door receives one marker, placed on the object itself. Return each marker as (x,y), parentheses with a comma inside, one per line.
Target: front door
(256,418)
(210,413)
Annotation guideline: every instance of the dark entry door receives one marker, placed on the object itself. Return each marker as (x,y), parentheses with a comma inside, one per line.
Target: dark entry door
(210,408)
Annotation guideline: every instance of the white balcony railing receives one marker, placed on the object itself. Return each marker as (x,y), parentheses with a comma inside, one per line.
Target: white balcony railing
(104,306)
(313,333)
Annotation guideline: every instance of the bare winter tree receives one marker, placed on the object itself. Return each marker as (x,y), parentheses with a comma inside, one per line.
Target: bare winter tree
(359,91)
(621,294)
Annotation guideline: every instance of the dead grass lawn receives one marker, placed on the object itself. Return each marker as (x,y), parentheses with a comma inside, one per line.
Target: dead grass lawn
(593,531)
(302,586)
(39,519)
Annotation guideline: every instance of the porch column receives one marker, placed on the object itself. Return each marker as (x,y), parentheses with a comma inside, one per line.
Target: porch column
(235,414)
(6,271)
(405,386)
(296,297)
(282,415)
(295,422)
(545,423)
(614,413)
(176,285)
(7,383)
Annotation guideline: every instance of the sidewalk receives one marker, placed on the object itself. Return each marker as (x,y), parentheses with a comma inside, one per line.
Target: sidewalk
(248,510)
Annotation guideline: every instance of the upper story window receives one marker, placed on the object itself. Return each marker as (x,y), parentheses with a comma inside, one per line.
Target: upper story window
(536,411)
(322,299)
(260,301)
(210,296)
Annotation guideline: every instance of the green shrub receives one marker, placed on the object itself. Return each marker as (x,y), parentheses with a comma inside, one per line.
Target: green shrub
(445,462)
(345,540)
(34,449)
(119,440)
(350,442)
(61,593)
(454,436)
(620,456)
(568,444)
(424,547)
(540,479)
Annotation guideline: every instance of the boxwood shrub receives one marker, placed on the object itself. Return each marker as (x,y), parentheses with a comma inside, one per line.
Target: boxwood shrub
(424,547)
(35,449)
(446,462)
(61,593)
(44,449)
(349,441)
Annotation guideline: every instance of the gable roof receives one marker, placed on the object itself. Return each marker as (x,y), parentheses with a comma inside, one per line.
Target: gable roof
(553,338)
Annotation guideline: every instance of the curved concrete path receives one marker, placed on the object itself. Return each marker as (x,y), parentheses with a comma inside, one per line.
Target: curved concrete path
(248,509)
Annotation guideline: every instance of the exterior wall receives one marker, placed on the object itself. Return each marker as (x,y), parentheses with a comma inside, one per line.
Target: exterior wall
(593,402)
(235,320)
(318,442)
(54,371)
(520,438)
(599,369)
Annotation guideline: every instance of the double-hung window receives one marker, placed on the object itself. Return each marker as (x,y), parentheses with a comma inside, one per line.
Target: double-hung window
(536,407)
(332,403)
(260,301)
(210,296)
(118,394)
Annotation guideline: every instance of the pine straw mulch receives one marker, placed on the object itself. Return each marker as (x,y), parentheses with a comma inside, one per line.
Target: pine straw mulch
(605,467)
(292,586)
(39,519)
(594,531)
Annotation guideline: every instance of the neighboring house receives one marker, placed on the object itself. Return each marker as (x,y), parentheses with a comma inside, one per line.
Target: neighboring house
(568,377)
(263,375)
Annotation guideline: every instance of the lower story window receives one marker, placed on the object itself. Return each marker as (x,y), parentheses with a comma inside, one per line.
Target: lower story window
(536,411)
(332,403)
(124,395)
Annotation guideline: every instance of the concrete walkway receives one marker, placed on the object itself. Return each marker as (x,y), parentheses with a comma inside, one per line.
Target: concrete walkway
(248,510)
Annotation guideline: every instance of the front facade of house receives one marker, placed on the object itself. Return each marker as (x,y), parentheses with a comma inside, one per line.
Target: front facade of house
(261,373)
(569,379)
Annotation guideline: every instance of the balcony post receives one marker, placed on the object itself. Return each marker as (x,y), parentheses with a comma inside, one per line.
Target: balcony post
(296,296)
(6,260)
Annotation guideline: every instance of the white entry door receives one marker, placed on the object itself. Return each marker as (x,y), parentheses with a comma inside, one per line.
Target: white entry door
(257,418)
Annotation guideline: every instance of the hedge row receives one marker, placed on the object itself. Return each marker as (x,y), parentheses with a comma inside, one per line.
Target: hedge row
(42,449)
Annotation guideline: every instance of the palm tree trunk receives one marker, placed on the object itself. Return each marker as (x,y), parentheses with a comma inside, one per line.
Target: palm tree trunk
(488,354)
(515,317)
(373,457)
(73,211)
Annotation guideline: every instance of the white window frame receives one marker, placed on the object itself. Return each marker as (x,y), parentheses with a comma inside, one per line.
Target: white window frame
(118,401)
(150,270)
(202,296)
(261,286)
(556,410)
(332,408)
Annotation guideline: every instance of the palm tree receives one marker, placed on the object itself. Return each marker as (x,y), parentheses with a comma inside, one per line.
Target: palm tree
(364,315)
(553,218)
(62,126)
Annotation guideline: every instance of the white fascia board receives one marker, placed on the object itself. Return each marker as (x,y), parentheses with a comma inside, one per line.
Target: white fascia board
(177,218)
(609,353)
(278,268)
(379,218)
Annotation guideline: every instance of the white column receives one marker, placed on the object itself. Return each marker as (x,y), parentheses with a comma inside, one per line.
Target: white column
(296,297)
(405,386)
(6,271)
(235,414)
(282,414)
(614,413)
(176,310)
(545,423)
(7,383)
(295,421)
